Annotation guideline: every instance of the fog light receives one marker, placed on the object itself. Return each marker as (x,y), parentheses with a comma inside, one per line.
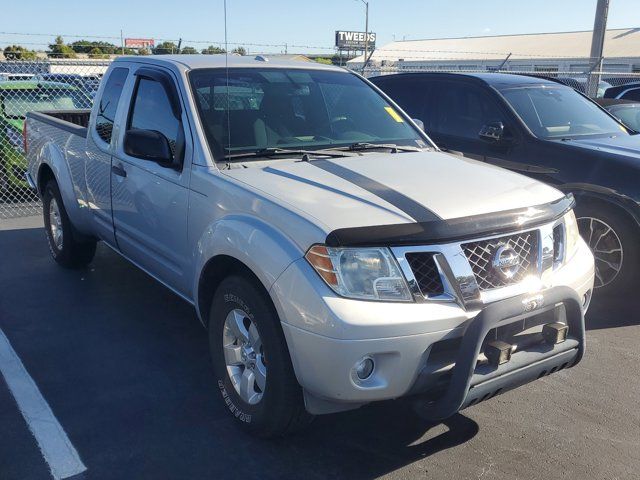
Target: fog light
(364,368)
(555,333)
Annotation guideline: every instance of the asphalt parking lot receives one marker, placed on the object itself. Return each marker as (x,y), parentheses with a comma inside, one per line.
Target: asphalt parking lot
(124,366)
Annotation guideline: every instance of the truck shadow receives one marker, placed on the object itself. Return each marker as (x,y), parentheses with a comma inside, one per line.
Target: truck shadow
(376,440)
(611,311)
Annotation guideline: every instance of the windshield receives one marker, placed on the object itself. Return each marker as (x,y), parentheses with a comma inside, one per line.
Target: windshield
(257,109)
(15,103)
(628,114)
(560,112)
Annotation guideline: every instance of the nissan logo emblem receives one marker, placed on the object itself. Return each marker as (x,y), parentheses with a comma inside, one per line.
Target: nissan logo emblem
(506,262)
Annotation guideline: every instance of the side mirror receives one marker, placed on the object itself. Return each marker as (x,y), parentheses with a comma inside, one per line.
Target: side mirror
(493,131)
(149,145)
(419,123)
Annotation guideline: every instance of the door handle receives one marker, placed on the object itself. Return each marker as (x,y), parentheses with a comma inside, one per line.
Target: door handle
(119,171)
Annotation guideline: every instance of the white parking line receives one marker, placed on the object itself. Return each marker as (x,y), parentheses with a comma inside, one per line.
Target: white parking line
(56,448)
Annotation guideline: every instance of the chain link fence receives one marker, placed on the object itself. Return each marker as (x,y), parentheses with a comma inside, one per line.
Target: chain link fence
(30,86)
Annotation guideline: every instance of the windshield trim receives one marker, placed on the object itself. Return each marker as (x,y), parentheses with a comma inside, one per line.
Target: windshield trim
(218,162)
(558,86)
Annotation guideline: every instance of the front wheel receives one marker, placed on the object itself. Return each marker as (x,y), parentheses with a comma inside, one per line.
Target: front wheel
(615,243)
(64,245)
(251,360)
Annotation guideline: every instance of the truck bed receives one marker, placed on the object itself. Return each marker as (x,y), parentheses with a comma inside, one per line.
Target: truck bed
(72,121)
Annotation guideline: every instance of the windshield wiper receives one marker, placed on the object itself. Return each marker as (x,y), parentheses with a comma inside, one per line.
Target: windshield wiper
(271,152)
(360,146)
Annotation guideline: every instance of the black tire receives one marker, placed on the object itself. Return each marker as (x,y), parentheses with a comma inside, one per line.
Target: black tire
(73,252)
(626,232)
(280,410)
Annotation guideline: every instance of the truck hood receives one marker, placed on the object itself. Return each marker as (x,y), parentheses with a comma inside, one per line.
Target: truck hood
(383,189)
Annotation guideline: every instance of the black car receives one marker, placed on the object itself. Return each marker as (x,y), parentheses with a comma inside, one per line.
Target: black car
(628,91)
(550,132)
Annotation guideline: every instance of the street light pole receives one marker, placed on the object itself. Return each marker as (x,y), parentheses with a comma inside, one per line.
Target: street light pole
(366,33)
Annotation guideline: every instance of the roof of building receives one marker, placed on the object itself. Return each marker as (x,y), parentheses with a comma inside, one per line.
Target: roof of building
(222,60)
(619,43)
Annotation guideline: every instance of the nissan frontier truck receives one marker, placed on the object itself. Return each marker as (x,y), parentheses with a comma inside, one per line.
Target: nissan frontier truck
(335,256)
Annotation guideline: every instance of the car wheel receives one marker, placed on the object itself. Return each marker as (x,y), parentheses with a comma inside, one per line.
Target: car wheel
(614,241)
(63,243)
(251,360)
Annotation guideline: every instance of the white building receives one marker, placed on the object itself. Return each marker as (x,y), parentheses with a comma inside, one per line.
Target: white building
(548,52)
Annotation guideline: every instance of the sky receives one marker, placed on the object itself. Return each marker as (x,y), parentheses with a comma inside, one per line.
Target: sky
(265,26)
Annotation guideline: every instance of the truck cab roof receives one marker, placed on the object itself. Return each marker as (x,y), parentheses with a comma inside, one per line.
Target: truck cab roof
(189,62)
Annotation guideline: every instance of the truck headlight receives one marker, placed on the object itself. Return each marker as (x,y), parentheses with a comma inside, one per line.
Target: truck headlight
(362,273)
(573,234)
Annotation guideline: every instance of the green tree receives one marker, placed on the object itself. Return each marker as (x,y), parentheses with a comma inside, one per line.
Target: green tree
(58,49)
(144,51)
(239,50)
(84,46)
(95,52)
(18,52)
(165,48)
(188,51)
(212,50)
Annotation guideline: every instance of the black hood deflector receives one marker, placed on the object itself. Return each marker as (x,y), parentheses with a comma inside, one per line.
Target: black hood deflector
(455,229)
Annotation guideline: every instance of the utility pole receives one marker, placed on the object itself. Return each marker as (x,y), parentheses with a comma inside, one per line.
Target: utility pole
(597,46)
(121,42)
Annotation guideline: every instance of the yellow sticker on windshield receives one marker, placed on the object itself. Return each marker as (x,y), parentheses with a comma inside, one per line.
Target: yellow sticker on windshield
(394,114)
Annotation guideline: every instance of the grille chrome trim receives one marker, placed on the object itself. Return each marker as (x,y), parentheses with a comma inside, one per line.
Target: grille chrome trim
(459,281)
(481,255)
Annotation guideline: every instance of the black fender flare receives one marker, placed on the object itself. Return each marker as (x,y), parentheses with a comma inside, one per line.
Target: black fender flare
(606,196)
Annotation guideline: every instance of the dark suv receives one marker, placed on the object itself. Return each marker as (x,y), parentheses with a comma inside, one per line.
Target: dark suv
(548,131)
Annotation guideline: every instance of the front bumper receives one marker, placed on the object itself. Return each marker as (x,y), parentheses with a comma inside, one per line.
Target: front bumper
(327,335)
(470,382)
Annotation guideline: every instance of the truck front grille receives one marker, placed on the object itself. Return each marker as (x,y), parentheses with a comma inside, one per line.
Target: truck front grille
(481,255)
(426,272)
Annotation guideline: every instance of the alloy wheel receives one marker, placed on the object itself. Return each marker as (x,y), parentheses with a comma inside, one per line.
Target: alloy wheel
(244,356)
(606,247)
(55,224)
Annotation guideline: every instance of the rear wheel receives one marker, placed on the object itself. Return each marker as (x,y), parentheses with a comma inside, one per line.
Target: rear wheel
(614,241)
(251,360)
(65,247)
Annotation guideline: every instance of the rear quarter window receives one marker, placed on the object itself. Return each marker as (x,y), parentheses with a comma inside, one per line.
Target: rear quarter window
(109,103)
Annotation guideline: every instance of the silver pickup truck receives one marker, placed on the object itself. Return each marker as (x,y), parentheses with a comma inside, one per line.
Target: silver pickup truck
(335,256)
